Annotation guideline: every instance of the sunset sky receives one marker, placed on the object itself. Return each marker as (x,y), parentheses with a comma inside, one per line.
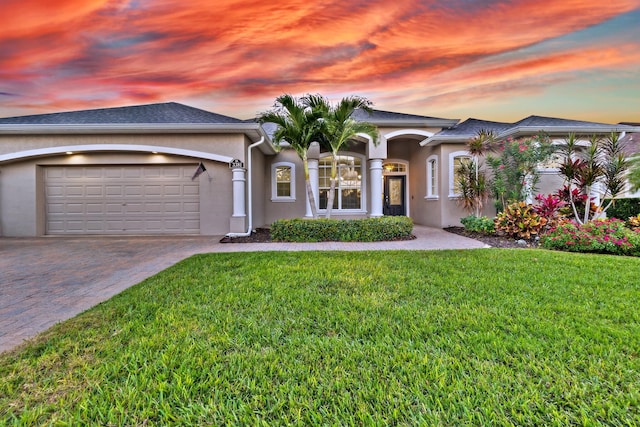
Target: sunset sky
(495,60)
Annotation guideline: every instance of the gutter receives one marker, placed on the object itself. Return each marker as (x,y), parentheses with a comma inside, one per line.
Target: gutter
(249,192)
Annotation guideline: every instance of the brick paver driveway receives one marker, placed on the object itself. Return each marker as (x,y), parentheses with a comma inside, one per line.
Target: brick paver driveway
(47,280)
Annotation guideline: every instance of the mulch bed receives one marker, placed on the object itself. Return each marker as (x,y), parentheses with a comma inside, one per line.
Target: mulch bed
(260,235)
(263,235)
(493,240)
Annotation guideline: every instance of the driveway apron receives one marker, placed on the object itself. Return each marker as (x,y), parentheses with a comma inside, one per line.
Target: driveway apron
(44,281)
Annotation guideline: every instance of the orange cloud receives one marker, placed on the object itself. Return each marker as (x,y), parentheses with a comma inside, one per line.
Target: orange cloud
(61,52)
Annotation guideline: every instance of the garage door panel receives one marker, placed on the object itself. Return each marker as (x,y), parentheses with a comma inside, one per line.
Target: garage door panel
(74,208)
(112,173)
(94,191)
(191,207)
(74,191)
(190,189)
(121,200)
(153,190)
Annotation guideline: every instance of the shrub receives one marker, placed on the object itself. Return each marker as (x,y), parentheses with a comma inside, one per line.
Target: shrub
(623,208)
(519,220)
(341,230)
(515,168)
(604,236)
(634,223)
(549,207)
(480,224)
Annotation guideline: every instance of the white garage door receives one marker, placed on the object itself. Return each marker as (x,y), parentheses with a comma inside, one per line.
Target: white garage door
(122,200)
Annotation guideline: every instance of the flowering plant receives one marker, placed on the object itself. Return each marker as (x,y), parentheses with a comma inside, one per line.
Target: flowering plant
(607,236)
(514,169)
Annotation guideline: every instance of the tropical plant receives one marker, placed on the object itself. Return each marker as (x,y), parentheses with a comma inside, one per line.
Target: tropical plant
(338,128)
(550,207)
(634,223)
(479,224)
(298,126)
(520,220)
(471,186)
(608,236)
(600,168)
(515,168)
(634,174)
(478,147)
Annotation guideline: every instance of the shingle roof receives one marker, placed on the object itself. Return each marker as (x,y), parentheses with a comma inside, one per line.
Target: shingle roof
(546,122)
(470,128)
(631,144)
(164,113)
(377,115)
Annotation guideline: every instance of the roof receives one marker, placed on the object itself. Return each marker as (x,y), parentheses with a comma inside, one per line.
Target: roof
(389,118)
(631,143)
(169,117)
(470,128)
(165,113)
(528,126)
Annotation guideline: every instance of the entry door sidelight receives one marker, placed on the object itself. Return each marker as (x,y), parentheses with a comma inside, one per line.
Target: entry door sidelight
(394,196)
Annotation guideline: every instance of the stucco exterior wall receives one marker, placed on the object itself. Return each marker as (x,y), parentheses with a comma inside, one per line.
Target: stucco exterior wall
(284,209)
(424,211)
(223,144)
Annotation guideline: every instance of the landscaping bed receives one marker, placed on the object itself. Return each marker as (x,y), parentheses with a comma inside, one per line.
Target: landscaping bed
(493,240)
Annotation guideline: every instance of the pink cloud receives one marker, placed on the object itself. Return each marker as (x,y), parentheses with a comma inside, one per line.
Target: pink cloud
(78,52)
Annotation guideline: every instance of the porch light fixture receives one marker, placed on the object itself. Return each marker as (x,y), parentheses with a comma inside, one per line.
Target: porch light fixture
(69,152)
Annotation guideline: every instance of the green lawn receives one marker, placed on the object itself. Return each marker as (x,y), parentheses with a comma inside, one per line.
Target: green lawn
(483,337)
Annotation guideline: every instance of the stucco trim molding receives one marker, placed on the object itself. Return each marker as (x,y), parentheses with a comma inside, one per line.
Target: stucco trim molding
(49,151)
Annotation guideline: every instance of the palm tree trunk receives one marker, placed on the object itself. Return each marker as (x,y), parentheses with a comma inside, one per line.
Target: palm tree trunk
(310,196)
(332,187)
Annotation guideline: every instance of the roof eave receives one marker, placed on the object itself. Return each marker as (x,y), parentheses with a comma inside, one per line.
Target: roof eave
(555,130)
(431,123)
(130,128)
(439,139)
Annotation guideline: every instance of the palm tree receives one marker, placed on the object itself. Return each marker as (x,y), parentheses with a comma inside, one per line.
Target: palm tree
(337,128)
(298,126)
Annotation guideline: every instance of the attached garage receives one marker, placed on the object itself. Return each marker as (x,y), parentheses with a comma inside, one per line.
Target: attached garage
(121,199)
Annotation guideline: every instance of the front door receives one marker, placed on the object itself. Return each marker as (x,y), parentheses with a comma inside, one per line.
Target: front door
(394,197)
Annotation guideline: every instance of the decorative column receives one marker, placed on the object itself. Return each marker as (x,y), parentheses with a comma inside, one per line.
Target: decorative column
(313,154)
(237,223)
(375,168)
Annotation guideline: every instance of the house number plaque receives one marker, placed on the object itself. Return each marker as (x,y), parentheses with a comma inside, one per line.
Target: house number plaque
(236,163)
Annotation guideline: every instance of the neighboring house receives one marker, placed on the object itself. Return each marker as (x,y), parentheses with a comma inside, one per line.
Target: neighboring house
(129,170)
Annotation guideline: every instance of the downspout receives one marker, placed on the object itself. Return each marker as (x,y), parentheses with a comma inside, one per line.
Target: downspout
(249,192)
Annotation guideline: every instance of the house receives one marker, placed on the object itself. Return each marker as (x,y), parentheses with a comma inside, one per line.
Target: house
(132,170)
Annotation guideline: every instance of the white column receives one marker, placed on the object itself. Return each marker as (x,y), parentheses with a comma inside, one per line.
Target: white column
(375,167)
(314,180)
(239,181)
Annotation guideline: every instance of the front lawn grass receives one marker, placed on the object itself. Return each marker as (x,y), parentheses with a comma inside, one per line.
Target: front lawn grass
(483,337)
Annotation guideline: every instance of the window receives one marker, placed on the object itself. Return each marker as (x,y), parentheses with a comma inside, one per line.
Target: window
(283,182)
(394,167)
(432,177)
(348,195)
(455,160)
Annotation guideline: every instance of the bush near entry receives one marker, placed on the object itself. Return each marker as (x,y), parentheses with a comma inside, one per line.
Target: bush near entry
(342,230)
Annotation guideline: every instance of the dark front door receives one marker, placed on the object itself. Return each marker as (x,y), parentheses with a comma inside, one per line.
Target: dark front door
(394,189)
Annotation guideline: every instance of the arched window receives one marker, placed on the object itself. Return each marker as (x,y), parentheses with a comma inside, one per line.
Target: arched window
(283,182)
(349,192)
(455,159)
(432,177)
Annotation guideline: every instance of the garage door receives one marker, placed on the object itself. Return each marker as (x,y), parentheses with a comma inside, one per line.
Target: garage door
(121,200)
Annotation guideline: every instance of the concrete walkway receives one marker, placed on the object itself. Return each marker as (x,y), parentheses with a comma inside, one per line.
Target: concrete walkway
(44,281)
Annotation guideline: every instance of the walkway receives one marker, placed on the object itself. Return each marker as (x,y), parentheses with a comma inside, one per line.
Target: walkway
(44,281)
